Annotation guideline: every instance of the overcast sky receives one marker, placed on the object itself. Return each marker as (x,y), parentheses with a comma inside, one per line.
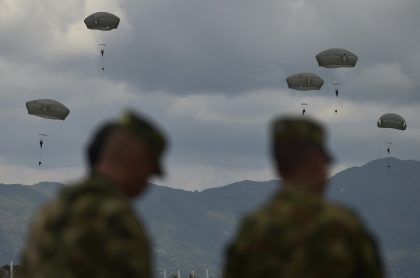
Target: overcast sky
(212,74)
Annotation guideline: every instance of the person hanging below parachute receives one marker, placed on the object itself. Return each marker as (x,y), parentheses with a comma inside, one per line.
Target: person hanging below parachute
(48,109)
(102,48)
(42,137)
(388,150)
(102,45)
(303,104)
(336,90)
(102,21)
(393,121)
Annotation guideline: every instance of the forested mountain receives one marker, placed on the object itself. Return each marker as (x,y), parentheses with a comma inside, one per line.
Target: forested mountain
(191,229)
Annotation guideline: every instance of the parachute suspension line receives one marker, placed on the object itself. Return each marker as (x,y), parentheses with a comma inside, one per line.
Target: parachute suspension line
(296,100)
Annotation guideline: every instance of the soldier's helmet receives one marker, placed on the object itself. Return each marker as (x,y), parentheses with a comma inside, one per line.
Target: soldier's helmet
(299,131)
(148,132)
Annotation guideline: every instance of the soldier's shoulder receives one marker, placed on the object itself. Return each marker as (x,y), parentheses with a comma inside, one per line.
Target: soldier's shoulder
(340,215)
(91,188)
(88,196)
(255,223)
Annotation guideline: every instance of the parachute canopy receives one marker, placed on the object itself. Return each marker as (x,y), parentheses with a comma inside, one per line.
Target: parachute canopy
(392,120)
(304,81)
(47,108)
(102,21)
(336,58)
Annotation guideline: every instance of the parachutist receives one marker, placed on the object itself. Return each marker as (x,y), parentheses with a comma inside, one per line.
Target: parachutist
(336,111)
(41,143)
(303,111)
(102,52)
(388,150)
(39,163)
(103,68)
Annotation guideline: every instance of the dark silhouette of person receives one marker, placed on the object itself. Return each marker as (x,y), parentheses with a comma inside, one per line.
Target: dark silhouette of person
(336,92)
(39,163)
(95,147)
(127,156)
(303,111)
(102,52)
(41,143)
(388,150)
(298,232)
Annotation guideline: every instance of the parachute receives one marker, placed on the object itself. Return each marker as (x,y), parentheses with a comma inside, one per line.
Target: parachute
(304,81)
(47,108)
(336,58)
(102,21)
(392,120)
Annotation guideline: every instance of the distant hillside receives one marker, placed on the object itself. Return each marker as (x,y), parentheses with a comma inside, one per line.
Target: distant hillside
(17,205)
(389,201)
(190,229)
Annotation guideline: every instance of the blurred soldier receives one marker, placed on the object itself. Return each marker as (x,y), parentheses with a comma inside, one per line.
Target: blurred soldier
(298,233)
(91,230)
(95,147)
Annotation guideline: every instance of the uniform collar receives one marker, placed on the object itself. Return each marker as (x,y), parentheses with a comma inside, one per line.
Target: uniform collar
(298,190)
(99,181)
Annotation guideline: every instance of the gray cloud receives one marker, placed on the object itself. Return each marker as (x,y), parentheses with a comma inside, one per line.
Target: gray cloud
(212,73)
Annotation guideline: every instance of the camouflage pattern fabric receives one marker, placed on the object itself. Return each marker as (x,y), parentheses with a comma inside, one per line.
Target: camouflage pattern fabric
(298,234)
(90,230)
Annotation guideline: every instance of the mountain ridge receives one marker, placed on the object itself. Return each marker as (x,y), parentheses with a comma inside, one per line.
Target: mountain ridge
(191,229)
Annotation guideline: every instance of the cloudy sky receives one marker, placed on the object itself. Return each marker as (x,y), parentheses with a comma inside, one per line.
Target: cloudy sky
(212,74)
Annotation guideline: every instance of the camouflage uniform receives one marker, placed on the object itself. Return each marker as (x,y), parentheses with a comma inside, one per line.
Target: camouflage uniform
(89,231)
(298,234)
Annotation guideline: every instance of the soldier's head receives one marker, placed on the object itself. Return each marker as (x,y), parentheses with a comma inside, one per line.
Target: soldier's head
(131,153)
(95,146)
(299,152)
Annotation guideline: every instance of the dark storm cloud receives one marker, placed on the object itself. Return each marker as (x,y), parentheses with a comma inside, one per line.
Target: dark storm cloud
(229,47)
